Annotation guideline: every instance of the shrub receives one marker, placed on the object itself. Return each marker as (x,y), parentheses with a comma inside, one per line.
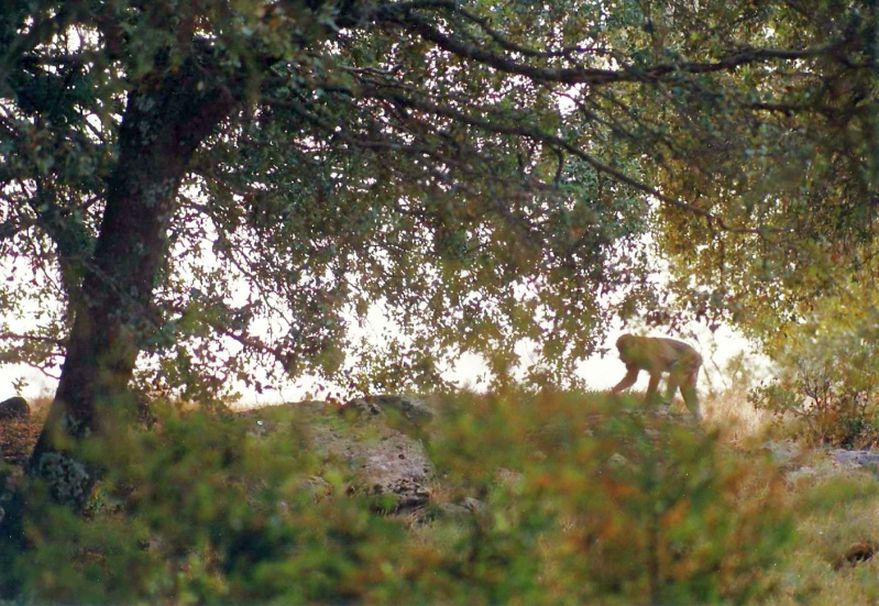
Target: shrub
(200,511)
(824,410)
(826,388)
(575,499)
(610,505)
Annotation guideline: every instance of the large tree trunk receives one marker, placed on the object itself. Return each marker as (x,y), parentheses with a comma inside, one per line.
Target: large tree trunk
(165,120)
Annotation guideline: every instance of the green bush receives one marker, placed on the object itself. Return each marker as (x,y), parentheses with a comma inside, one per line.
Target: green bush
(821,408)
(826,384)
(200,511)
(608,504)
(573,499)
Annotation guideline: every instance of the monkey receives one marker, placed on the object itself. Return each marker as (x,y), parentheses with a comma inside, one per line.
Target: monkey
(657,355)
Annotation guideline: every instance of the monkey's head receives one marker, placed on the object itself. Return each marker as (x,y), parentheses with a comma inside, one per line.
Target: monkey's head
(625,342)
(630,348)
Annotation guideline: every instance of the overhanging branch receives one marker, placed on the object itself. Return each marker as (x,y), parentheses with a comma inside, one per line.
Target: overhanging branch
(557,142)
(586,75)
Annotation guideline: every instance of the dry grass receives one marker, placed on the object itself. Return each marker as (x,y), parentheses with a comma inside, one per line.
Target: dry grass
(738,421)
(17,438)
(834,510)
(40,408)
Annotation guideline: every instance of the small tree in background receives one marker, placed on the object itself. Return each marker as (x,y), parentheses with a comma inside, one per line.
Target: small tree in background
(827,378)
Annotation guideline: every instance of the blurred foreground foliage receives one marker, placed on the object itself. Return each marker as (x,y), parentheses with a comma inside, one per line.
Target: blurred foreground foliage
(577,499)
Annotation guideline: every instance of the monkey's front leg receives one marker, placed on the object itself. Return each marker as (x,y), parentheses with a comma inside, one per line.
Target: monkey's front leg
(627,381)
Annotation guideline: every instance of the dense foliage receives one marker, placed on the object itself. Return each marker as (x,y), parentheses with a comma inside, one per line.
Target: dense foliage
(579,501)
(505,150)
(789,160)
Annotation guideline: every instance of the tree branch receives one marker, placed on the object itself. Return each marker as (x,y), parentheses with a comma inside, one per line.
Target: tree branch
(12,336)
(553,140)
(500,39)
(581,75)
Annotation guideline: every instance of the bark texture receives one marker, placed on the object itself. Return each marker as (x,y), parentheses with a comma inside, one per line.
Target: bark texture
(165,120)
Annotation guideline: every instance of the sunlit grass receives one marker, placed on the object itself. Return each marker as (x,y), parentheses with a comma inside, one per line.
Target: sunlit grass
(40,407)
(833,508)
(732,413)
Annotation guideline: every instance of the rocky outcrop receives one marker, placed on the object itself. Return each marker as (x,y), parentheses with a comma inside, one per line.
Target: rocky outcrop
(387,461)
(856,458)
(415,410)
(14,408)
(798,462)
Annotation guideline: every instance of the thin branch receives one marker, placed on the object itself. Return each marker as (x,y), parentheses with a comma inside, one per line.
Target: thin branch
(508,45)
(580,74)
(553,140)
(12,336)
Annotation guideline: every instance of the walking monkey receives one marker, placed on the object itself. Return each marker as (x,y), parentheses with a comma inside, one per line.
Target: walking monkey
(657,355)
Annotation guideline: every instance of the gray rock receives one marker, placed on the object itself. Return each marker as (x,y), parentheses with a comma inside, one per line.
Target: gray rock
(473,505)
(783,453)
(617,461)
(386,462)
(14,408)
(363,407)
(798,463)
(856,458)
(463,509)
(415,410)
(392,463)
(454,510)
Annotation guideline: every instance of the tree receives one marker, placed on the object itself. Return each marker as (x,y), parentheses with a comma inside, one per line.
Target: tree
(790,157)
(264,171)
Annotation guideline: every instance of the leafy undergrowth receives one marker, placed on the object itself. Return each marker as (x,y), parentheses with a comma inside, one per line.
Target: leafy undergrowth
(574,498)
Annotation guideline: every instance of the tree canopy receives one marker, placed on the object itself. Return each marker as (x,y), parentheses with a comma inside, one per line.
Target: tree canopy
(182,176)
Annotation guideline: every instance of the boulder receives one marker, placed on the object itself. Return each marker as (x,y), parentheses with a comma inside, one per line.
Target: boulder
(856,458)
(14,408)
(415,410)
(388,462)
(463,509)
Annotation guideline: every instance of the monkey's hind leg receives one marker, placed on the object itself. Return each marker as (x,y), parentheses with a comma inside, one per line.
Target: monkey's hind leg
(691,398)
